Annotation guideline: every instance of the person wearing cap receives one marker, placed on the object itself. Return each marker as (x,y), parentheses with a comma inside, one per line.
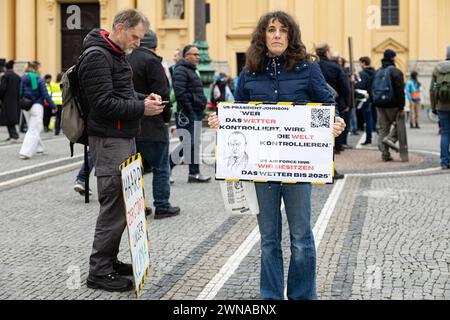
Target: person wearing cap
(153,139)
(392,112)
(440,104)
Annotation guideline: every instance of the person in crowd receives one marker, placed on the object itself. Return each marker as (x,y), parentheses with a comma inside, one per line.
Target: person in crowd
(33,88)
(113,123)
(336,78)
(220,89)
(364,85)
(413,93)
(278,59)
(80,180)
(440,103)
(389,101)
(191,104)
(177,56)
(153,139)
(48,111)
(2,67)
(56,94)
(9,102)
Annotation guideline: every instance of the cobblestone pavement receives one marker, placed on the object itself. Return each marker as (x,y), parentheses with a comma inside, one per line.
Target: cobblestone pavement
(387,237)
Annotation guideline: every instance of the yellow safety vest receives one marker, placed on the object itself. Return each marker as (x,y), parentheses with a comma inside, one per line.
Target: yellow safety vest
(55,88)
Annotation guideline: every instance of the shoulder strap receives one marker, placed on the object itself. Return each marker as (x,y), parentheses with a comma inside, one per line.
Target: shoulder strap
(101,49)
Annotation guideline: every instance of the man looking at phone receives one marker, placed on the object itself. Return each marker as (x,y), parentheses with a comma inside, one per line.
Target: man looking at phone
(153,139)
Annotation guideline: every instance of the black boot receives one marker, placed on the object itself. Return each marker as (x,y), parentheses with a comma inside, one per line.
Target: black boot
(123,269)
(111,282)
(161,213)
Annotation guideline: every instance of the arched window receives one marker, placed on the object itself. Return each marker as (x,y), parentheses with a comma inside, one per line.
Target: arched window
(390,13)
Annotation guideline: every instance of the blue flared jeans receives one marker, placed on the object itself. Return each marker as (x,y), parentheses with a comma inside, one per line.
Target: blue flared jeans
(301,281)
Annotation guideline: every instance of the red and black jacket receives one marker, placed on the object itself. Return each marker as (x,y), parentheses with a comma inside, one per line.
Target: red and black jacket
(115,108)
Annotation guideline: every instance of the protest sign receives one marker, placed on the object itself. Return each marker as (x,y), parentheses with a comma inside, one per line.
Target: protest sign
(133,193)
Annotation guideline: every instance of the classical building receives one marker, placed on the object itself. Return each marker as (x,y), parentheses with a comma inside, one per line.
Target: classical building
(51,30)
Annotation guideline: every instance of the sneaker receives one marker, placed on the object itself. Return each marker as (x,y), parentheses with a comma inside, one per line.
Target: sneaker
(387,159)
(390,144)
(112,282)
(23,157)
(123,269)
(366,143)
(79,187)
(198,178)
(166,213)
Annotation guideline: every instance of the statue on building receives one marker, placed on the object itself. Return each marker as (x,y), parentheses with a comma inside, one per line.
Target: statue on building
(174,9)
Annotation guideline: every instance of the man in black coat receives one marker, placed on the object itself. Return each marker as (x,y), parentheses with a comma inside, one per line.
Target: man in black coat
(153,139)
(9,96)
(113,123)
(364,83)
(336,78)
(191,103)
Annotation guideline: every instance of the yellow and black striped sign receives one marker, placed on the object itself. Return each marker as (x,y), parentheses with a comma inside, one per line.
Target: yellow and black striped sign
(138,288)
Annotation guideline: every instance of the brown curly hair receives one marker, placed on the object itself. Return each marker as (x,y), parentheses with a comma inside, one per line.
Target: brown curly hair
(295,52)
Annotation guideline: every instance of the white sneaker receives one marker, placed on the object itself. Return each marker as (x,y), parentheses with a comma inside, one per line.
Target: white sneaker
(79,187)
(23,157)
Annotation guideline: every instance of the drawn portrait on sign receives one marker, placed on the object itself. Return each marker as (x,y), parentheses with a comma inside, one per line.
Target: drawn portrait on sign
(236,156)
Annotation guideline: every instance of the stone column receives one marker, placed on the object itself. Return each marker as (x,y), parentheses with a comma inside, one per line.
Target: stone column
(7,25)
(25,30)
(149,9)
(125,4)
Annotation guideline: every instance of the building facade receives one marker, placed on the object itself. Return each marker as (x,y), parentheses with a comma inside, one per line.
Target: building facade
(51,31)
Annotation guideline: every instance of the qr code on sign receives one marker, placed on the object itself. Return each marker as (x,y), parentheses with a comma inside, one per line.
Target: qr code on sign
(320,118)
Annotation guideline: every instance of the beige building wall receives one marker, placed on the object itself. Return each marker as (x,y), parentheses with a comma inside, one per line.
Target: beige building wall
(32,28)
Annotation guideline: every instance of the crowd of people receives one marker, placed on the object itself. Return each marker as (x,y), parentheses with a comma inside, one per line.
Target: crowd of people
(131,116)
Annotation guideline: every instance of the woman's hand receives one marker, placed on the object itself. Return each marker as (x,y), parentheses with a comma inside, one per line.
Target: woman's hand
(213,121)
(339,126)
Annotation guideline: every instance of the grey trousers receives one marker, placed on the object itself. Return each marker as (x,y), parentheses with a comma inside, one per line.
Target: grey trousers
(108,154)
(386,117)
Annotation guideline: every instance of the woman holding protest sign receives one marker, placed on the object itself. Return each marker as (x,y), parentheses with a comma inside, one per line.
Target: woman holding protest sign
(278,69)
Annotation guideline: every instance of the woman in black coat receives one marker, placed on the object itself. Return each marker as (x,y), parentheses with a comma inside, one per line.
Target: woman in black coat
(9,95)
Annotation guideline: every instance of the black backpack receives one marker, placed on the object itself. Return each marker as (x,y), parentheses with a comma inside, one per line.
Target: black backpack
(382,89)
(76,109)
